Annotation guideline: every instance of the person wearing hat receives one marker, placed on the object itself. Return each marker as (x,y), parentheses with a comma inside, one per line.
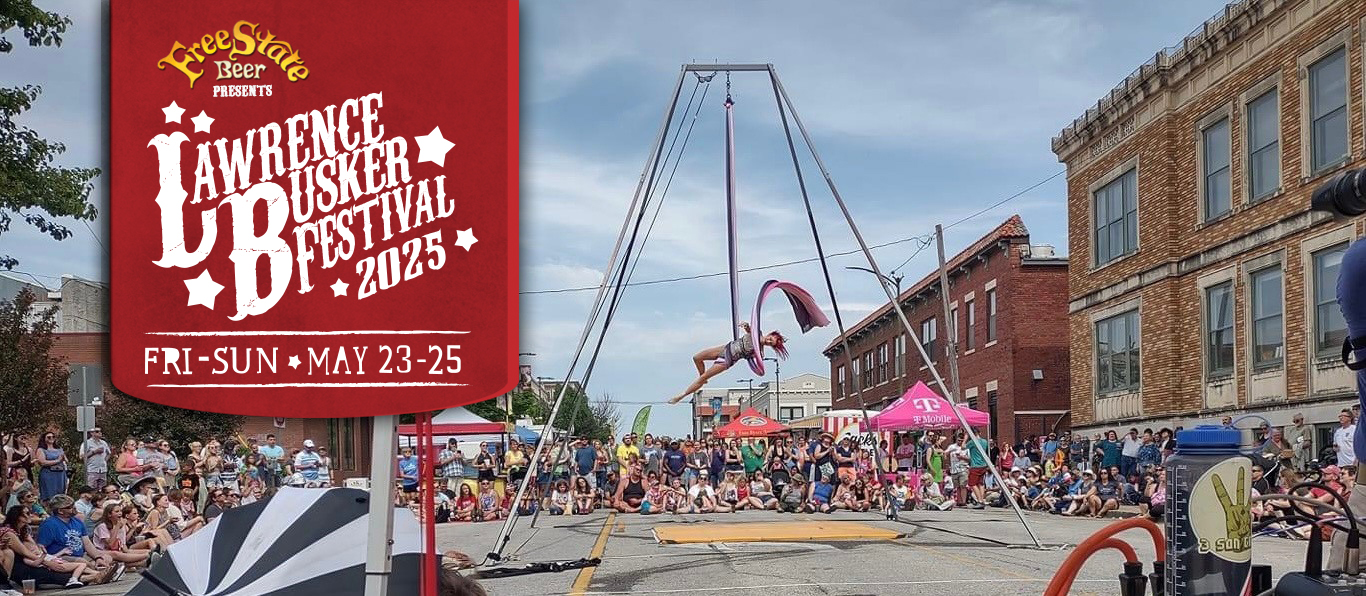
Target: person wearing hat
(1075,502)
(701,497)
(62,535)
(792,495)
(931,497)
(149,454)
(306,464)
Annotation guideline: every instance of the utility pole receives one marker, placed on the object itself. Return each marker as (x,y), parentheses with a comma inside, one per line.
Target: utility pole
(777,390)
(950,346)
(751,394)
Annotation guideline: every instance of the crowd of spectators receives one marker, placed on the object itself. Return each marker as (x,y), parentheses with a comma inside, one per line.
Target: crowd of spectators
(134,501)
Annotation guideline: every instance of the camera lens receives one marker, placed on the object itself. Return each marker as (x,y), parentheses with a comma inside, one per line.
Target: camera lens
(1341,195)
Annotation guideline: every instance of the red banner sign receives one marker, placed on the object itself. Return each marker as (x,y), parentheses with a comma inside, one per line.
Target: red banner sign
(313,204)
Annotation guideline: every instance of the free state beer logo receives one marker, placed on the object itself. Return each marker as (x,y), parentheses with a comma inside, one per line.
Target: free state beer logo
(244,39)
(314,253)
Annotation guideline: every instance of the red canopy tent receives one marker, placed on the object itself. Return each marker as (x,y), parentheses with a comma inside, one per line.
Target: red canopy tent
(750,423)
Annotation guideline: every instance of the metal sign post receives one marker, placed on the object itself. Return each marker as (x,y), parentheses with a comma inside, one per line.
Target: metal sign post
(379,545)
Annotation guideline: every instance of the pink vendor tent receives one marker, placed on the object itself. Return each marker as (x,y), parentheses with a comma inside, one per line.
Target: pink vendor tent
(922,409)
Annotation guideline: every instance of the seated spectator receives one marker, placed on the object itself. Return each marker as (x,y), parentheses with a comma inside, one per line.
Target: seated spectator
(630,493)
(701,497)
(466,505)
(821,495)
(793,495)
(653,502)
(15,536)
(901,494)
(931,497)
(65,536)
(1105,497)
(583,496)
(112,535)
(560,499)
(489,509)
(1077,499)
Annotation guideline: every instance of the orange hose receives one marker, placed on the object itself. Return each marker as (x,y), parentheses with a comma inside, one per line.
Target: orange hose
(1123,547)
(1067,572)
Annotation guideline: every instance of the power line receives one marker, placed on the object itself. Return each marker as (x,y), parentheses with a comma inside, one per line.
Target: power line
(924,241)
(96,237)
(719,274)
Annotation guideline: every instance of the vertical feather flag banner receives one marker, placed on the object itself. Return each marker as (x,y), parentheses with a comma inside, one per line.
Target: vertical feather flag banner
(642,419)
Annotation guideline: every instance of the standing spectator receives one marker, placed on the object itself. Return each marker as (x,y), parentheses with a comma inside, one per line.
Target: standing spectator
(484,463)
(1006,458)
(95,454)
(452,464)
(1129,447)
(1050,446)
(515,462)
(585,463)
(652,455)
(1149,454)
(52,467)
(128,467)
(1301,442)
(1165,443)
(1109,450)
(1342,439)
(149,455)
(307,464)
(230,469)
(844,462)
(272,461)
(625,451)
(20,455)
(324,468)
(407,472)
(977,470)
(958,468)
(675,463)
(698,461)
(752,454)
(170,463)
(1080,453)
(905,454)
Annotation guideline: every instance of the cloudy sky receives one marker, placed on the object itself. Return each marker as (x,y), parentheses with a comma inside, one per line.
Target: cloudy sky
(925,112)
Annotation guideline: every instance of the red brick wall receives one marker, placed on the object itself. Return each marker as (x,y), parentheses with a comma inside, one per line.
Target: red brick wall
(1031,333)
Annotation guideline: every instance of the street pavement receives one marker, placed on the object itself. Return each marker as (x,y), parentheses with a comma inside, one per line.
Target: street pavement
(981,552)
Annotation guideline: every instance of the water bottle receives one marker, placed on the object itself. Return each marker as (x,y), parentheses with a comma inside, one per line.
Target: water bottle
(1208,517)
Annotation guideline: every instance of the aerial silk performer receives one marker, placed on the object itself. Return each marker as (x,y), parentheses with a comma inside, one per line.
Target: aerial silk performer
(750,344)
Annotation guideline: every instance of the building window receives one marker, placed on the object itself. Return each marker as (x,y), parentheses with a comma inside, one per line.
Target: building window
(1116,213)
(900,355)
(971,342)
(839,380)
(1263,145)
(822,409)
(991,315)
(1330,329)
(868,369)
(1328,110)
(1219,330)
(786,413)
(341,435)
(953,325)
(1268,309)
(993,431)
(1117,354)
(928,333)
(1218,193)
(882,363)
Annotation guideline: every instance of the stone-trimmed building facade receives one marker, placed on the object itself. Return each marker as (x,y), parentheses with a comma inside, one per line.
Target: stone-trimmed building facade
(1200,283)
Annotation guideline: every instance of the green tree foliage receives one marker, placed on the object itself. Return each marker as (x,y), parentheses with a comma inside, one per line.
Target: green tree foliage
(32,380)
(124,416)
(31,187)
(592,418)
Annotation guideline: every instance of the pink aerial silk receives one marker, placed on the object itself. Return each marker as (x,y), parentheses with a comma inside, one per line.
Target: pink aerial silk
(804,308)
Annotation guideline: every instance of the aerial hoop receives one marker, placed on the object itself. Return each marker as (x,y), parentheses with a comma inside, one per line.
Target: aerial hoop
(804,308)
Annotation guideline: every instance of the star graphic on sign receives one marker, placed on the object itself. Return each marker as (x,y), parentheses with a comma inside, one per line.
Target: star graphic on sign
(203,290)
(294,362)
(173,112)
(465,238)
(201,122)
(433,147)
(339,288)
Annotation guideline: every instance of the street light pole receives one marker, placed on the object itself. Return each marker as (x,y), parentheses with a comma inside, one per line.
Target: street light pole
(777,390)
(751,393)
(896,304)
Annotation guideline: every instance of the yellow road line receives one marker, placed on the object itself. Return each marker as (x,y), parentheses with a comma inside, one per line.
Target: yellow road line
(586,574)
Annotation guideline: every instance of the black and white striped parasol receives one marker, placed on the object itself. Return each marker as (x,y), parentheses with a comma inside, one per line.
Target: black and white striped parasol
(300,542)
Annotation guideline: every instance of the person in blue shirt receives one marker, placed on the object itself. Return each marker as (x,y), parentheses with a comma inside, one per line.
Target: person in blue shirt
(306,463)
(1050,446)
(1109,449)
(586,461)
(273,456)
(64,535)
(675,462)
(821,492)
(407,471)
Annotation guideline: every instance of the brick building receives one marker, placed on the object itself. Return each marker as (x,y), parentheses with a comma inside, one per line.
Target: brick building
(1008,301)
(1200,283)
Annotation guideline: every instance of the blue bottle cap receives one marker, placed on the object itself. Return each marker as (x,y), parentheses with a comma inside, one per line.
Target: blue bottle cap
(1208,437)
